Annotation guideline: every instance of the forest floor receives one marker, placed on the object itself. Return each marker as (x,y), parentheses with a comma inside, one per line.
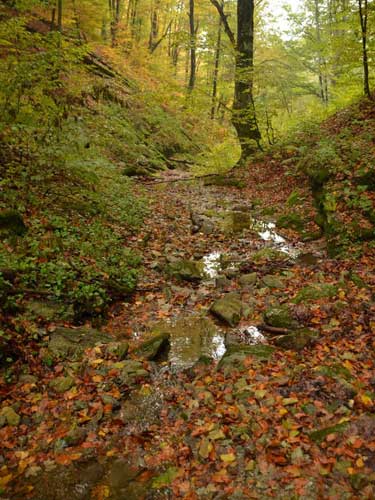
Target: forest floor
(292,418)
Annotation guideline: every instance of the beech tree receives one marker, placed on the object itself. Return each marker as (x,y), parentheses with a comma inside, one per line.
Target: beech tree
(244,116)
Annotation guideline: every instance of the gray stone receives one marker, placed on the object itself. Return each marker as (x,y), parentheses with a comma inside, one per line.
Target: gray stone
(248,279)
(61,384)
(272,281)
(222,282)
(297,340)
(188,270)
(71,343)
(154,347)
(280,317)
(228,308)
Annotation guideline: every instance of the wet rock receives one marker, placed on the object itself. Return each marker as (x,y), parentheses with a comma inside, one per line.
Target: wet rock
(272,281)
(280,317)
(188,270)
(118,349)
(228,308)
(297,340)
(11,222)
(61,384)
(231,272)
(315,292)
(248,279)
(268,254)
(132,370)
(153,348)
(222,282)
(237,353)
(236,222)
(71,343)
(9,416)
(291,221)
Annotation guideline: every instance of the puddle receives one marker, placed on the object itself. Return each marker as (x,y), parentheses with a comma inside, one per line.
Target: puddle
(266,231)
(251,335)
(192,339)
(212,265)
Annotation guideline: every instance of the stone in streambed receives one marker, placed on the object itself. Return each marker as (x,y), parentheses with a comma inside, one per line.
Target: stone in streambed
(248,279)
(273,281)
(188,270)
(61,384)
(280,317)
(153,348)
(71,343)
(297,340)
(228,308)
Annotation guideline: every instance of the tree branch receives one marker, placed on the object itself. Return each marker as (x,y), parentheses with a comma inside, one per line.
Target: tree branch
(224,19)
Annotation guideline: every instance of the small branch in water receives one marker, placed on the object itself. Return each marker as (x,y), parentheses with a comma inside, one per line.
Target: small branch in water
(273,329)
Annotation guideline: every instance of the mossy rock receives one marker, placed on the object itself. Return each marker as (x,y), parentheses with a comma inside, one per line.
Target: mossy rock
(291,221)
(336,371)
(237,353)
(315,292)
(297,340)
(272,281)
(248,279)
(11,223)
(154,348)
(131,370)
(228,309)
(62,384)
(268,254)
(188,270)
(46,310)
(280,317)
(71,343)
(236,222)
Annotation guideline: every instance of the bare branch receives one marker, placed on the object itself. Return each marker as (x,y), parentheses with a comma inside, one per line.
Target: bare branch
(224,19)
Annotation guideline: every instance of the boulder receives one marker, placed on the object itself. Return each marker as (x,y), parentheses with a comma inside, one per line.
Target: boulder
(280,317)
(61,384)
(71,343)
(153,348)
(272,281)
(248,279)
(316,291)
(236,222)
(188,270)
(237,353)
(297,339)
(132,370)
(228,308)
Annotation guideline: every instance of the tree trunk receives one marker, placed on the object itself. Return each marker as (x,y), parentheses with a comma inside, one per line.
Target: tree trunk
(59,15)
(363,16)
(193,61)
(244,117)
(216,70)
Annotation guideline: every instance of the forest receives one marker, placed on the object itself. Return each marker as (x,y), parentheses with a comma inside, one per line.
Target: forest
(187,249)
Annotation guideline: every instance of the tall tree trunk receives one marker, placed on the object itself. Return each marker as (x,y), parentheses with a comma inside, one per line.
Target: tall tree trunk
(193,61)
(323,81)
(363,16)
(216,70)
(244,115)
(59,15)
